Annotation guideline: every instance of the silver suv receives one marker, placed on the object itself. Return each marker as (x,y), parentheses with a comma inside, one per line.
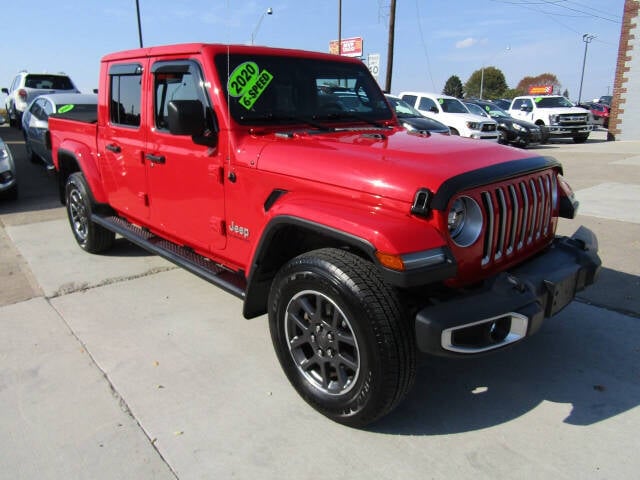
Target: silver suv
(27,86)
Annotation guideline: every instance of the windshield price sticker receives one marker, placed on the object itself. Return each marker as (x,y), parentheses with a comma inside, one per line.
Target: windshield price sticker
(537,99)
(249,83)
(65,108)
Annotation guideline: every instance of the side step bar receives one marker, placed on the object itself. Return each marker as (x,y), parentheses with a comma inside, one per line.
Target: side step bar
(186,258)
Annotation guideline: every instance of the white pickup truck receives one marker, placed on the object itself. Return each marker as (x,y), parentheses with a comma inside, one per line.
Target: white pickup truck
(555,113)
(453,113)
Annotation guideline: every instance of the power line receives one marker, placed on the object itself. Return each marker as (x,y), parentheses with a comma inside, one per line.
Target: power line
(424,45)
(559,4)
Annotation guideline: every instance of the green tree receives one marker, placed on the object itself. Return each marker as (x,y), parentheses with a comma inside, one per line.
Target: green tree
(453,87)
(539,81)
(492,81)
(510,93)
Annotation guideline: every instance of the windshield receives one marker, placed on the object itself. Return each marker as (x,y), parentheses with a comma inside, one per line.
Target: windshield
(552,102)
(269,89)
(494,111)
(403,109)
(476,109)
(48,82)
(452,105)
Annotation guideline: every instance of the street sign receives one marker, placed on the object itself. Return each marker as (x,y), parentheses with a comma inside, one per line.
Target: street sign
(373,62)
(351,47)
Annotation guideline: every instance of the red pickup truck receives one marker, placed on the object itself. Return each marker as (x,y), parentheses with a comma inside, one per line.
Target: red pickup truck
(284,177)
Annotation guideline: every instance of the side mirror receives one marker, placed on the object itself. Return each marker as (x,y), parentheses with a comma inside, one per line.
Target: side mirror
(524,107)
(5,90)
(434,109)
(186,117)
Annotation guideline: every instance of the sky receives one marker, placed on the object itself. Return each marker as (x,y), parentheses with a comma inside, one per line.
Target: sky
(434,39)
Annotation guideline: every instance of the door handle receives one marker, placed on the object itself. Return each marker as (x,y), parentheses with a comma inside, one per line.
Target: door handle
(113,148)
(155,158)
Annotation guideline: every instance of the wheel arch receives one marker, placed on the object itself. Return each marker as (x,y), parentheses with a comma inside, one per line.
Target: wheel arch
(68,162)
(284,238)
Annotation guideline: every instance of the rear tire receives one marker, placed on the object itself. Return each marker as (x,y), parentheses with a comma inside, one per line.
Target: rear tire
(91,237)
(341,336)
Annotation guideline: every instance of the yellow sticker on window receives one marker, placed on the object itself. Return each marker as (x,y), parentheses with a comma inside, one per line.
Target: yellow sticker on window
(248,82)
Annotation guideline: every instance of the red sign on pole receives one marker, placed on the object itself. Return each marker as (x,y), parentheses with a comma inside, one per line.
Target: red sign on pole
(541,90)
(351,47)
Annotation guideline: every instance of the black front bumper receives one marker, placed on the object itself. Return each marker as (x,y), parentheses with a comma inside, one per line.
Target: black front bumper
(513,304)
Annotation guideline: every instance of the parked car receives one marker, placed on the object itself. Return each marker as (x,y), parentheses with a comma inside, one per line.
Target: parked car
(503,103)
(413,121)
(560,117)
(8,181)
(513,131)
(27,86)
(453,113)
(35,121)
(605,99)
(599,112)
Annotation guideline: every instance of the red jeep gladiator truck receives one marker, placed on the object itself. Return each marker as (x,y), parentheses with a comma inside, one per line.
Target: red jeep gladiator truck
(283,177)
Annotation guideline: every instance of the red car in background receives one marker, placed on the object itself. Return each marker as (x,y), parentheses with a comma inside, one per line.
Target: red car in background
(600,112)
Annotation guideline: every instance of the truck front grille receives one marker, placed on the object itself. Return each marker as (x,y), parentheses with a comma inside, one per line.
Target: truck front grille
(517,214)
(573,119)
(488,127)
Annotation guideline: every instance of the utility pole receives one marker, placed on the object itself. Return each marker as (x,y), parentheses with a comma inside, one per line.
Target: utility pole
(392,27)
(586,38)
(139,24)
(339,27)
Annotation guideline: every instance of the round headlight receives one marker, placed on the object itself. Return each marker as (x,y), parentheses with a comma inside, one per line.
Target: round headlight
(464,221)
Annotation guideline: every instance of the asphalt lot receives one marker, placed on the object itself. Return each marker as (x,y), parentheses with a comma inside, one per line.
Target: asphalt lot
(122,366)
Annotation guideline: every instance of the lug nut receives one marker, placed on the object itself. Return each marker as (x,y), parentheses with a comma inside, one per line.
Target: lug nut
(318,327)
(320,352)
(313,338)
(330,337)
(330,352)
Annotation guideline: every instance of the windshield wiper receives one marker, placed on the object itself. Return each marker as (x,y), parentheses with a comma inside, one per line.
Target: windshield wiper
(270,117)
(355,116)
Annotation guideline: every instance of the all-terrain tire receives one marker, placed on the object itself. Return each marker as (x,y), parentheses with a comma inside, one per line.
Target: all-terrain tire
(341,336)
(91,237)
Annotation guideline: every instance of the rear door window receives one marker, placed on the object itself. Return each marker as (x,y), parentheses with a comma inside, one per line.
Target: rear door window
(125,91)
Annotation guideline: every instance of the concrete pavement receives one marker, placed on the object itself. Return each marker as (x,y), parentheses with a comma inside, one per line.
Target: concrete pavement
(122,366)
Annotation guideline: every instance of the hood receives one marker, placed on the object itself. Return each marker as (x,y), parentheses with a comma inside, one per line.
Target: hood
(392,164)
(424,124)
(512,120)
(565,110)
(467,117)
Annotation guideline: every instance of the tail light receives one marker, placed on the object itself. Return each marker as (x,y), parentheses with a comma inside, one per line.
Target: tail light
(22,93)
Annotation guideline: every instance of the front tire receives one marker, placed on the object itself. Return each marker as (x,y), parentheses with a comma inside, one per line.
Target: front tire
(580,138)
(341,336)
(91,237)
